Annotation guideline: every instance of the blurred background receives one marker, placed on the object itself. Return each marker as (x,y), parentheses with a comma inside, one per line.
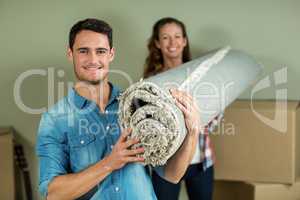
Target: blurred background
(34,35)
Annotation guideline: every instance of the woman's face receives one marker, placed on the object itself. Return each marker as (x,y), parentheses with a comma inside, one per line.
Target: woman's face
(171,41)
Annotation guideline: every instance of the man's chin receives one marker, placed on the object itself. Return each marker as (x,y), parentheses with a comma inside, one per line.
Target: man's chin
(95,82)
(92,82)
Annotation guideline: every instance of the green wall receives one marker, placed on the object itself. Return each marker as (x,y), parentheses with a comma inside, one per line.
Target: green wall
(33,35)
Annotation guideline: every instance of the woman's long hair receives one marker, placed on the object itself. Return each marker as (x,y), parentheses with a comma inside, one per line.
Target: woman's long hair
(154,60)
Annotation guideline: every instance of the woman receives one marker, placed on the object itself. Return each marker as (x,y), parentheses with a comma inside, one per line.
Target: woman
(168,48)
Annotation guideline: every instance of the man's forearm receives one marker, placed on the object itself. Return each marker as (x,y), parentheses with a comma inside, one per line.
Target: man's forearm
(177,164)
(72,186)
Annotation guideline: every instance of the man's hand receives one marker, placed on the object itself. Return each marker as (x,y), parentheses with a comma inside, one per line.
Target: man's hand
(82,182)
(121,154)
(190,110)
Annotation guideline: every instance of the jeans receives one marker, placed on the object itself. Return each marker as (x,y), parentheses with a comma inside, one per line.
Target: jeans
(199,184)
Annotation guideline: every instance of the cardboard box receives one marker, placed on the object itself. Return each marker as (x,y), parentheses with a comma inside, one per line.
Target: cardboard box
(259,143)
(7,169)
(230,190)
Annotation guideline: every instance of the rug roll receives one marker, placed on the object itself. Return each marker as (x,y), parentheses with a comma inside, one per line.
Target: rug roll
(214,80)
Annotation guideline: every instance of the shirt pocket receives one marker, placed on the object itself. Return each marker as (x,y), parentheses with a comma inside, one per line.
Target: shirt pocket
(82,151)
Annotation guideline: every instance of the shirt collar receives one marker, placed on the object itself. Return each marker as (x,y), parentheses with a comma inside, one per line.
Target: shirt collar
(115,93)
(80,101)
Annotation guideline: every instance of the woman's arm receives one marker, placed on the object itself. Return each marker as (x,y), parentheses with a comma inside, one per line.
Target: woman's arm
(178,163)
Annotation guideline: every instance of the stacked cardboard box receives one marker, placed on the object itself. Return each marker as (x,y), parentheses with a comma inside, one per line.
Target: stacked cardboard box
(231,190)
(7,169)
(258,144)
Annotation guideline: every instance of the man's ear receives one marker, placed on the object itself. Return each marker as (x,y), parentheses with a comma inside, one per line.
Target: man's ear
(112,54)
(157,44)
(70,54)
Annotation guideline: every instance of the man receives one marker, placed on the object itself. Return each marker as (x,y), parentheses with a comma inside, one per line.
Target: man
(83,154)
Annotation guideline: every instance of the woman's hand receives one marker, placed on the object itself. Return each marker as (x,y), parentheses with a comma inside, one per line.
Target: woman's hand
(190,110)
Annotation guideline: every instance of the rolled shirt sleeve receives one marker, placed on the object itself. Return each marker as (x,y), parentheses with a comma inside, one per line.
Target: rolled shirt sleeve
(160,170)
(52,151)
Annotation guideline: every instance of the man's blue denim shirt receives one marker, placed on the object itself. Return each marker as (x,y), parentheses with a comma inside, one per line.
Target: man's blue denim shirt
(74,135)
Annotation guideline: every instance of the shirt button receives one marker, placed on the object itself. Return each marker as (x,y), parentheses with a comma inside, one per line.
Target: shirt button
(107,127)
(111,146)
(106,112)
(82,142)
(117,189)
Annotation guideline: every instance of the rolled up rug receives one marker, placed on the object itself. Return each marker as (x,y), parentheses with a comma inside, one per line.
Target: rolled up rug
(214,80)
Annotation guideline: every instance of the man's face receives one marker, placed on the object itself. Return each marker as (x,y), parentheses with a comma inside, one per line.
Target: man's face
(91,56)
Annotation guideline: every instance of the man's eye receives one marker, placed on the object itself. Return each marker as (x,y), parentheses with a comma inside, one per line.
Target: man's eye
(83,51)
(101,52)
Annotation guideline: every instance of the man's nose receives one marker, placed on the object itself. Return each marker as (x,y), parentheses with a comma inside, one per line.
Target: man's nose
(93,58)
